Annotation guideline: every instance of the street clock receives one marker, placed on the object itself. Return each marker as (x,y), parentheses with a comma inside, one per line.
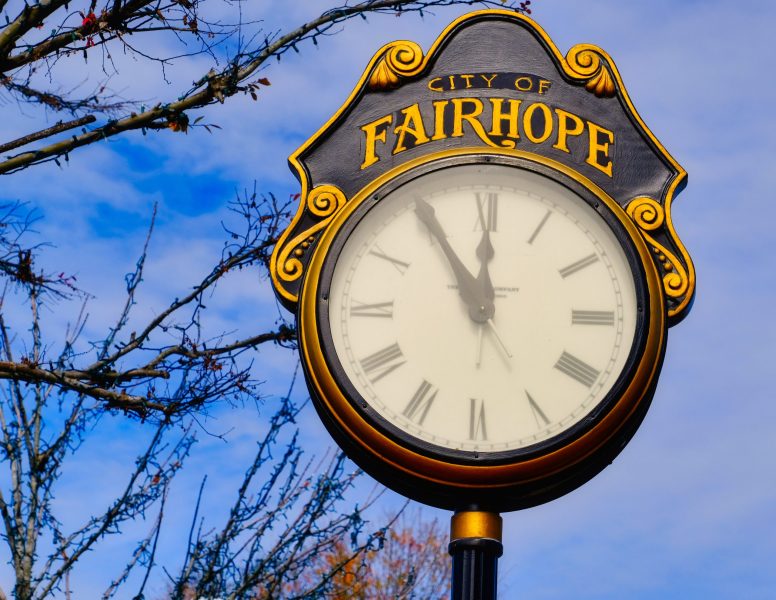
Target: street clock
(484,267)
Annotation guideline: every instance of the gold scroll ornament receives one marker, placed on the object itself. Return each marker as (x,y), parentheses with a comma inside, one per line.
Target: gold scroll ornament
(323,202)
(585,63)
(649,216)
(400,60)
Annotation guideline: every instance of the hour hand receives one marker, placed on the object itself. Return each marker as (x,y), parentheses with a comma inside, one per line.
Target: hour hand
(485,253)
(470,290)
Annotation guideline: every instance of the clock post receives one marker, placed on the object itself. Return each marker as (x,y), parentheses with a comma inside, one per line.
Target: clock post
(475,545)
(484,269)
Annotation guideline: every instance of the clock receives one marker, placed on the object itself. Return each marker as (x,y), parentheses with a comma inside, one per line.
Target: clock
(478,331)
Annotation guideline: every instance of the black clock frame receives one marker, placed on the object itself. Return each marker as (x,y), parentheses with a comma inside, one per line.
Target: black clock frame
(520,494)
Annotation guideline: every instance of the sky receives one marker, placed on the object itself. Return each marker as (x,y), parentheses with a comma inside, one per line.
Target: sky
(687,510)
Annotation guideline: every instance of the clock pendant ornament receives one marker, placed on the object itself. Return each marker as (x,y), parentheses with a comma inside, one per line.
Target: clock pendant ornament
(484,266)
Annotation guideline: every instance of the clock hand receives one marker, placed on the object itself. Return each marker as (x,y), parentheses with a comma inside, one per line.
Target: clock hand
(485,253)
(501,343)
(479,345)
(498,338)
(480,307)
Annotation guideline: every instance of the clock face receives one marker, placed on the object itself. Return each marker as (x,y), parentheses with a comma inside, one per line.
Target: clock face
(481,308)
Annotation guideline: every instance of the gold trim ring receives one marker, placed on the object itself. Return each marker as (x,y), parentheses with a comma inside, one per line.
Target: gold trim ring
(405,462)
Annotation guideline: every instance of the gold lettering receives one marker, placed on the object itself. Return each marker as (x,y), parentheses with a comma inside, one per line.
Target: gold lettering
(524,79)
(564,118)
(468,79)
(510,117)
(528,122)
(413,125)
(452,81)
(439,119)
(544,85)
(372,137)
(598,156)
(433,82)
(508,121)
(459,116)
(489,81)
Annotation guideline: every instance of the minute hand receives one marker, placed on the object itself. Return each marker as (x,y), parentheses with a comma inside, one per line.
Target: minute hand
(480,307)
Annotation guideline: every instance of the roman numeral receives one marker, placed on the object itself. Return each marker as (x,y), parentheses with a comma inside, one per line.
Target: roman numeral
(538,413)
(477,420)
(421,401)
(539,226)
(577,369)
(487,209)
(578,266)
(592,317)
(380,309)
(382,362)
(399,265)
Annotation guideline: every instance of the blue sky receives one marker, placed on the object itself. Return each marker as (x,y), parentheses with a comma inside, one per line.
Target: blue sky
(688,509)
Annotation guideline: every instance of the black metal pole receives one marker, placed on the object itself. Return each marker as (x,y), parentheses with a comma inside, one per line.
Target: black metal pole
(475,545)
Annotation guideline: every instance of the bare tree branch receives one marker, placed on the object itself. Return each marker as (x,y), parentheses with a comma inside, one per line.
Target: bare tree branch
(30,17)
(216,86)
(48,132)
(97,102)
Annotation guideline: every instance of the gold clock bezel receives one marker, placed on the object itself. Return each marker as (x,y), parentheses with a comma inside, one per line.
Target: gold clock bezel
(401,460)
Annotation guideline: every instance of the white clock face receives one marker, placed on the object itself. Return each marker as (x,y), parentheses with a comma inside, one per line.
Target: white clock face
(482,308)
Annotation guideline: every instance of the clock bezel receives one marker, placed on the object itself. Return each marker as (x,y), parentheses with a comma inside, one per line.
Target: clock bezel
(467,456)
(393,455)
